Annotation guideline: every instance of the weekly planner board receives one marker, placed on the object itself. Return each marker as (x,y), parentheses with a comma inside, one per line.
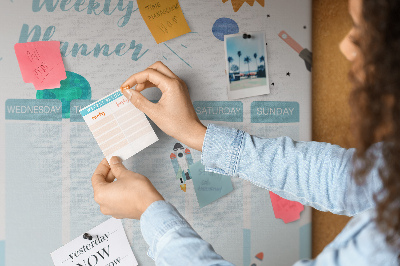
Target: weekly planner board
(48,153)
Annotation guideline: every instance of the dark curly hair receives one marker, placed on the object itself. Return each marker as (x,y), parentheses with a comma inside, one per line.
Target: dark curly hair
(375,103)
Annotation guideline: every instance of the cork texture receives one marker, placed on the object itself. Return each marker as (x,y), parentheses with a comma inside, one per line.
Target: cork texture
(331,89)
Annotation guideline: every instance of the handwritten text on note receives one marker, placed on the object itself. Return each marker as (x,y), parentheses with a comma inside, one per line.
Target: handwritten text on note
(41,64)
(164,18)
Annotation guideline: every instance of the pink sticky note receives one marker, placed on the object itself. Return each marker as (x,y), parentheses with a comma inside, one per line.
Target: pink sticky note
(284,209)
(41,64)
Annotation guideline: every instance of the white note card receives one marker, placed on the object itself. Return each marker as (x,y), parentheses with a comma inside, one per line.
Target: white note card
(118,126)
(109,247)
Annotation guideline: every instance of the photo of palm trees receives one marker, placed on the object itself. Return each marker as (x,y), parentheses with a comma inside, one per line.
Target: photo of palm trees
(246,61)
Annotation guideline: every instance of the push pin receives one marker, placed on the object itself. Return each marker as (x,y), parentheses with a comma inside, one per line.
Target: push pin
(87,236)
(246,36)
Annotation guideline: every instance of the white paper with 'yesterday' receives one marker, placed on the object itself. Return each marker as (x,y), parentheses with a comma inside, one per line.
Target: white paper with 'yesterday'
(108,247)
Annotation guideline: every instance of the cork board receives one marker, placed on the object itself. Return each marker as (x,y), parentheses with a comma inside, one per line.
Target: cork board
(331,89)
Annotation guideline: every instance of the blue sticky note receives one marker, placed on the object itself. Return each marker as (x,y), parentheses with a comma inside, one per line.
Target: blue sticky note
(209,186)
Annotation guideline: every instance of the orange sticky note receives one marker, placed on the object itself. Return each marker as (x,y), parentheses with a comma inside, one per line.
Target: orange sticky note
(164,18)
(41,64)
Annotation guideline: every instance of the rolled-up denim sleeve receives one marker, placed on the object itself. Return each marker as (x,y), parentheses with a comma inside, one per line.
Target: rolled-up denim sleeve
(312,173)
(172,241)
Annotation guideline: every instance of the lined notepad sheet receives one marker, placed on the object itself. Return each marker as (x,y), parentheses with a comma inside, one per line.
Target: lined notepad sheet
(118,126)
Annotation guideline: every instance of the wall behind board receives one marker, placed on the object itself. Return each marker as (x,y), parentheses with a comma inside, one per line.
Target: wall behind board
(331,89)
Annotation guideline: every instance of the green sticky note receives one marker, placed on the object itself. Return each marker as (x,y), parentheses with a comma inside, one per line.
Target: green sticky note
(209,186)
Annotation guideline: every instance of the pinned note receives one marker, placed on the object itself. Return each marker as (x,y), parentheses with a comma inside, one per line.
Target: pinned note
(287,210)
(118,126)
(107,244)
(209,186)
(164,18)
(41,64)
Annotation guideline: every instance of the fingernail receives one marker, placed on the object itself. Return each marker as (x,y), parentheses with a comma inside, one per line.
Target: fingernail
(128,94)
(115,160)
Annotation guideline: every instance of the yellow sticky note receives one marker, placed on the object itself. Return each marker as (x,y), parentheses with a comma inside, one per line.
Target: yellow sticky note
(164,18)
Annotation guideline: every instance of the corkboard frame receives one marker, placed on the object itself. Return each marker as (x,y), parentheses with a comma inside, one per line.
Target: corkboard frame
(331,90)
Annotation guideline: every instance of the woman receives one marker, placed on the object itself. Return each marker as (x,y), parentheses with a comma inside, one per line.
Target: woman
(362,182)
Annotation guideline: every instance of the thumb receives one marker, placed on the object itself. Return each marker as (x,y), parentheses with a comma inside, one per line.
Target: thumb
(138,100)
(99,176)
(117,167)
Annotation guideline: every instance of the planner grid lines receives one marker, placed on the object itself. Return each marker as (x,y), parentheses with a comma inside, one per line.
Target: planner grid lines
(118,126)
(120,129)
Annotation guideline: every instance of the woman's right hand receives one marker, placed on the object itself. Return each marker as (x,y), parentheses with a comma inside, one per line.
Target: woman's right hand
(174,113)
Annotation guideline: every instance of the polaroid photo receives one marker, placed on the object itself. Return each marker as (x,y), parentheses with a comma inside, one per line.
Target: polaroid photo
(246,65)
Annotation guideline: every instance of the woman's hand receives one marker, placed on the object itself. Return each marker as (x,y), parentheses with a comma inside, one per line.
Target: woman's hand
(127,197)
(174,113)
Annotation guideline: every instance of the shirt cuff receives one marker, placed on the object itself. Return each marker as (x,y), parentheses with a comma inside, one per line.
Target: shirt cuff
(158,219)
(222,147)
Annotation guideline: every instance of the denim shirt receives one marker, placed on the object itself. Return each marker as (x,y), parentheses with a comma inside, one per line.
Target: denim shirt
(312,173)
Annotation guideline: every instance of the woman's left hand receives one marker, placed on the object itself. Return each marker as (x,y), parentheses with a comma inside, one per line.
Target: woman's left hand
(127,197)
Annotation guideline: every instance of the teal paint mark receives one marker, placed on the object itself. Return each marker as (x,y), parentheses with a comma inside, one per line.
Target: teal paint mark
(246,247)
(135,10)
(305,242)
(183,45)
(228,111)
(275,112)
(178,55)
(2,253)
(73,87)
(165,58)
(33,109)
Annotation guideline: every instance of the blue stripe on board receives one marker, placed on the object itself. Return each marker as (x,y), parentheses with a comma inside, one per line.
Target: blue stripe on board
(305,242)
(2,253)
(246,247)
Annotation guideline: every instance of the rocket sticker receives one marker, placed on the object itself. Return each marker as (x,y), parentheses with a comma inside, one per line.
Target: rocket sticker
(304,53)
(181,160)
